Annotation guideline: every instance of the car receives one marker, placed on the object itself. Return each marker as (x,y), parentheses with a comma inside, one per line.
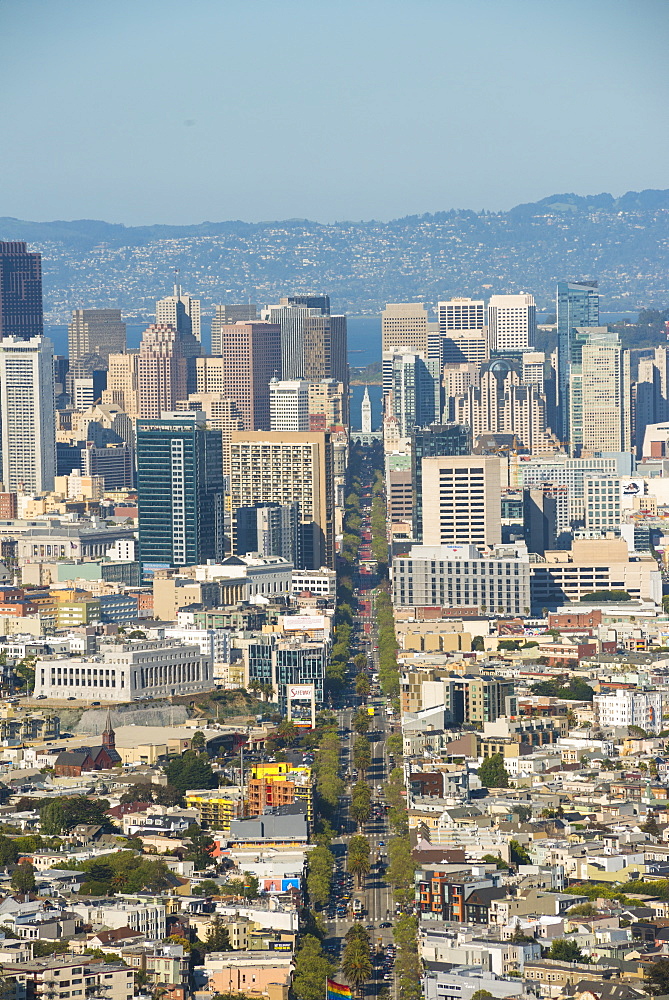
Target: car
(385,923)
(40,697)
(71,699)
(382,843)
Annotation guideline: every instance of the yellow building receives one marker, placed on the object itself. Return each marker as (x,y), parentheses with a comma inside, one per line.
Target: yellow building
(216,807)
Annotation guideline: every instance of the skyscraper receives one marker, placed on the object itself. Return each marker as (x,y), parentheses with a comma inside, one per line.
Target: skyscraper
(270,529)
(20,292)
(404,324)
(461,501)
(27,407)
(180,490)
(577,307)
(290,313)
(161,371)
(283,468)
(95,331)
(183,313)
(250,358)
(289,405)
(433,441)
(462,336)
(412,388)
(605,393)
(512,322)
(226,314)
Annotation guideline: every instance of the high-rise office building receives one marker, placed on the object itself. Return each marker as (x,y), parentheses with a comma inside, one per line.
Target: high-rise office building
(250,358)
(180,491)
(162,374)
(320,302)
(226,314)
(283,468)
(328,400)
(512,322)
(605,393)
(221,415)
(291,313)
(95,331)
(412,389)
(501,404)
(183,313)
(121,388)
(289,405)
(461,314)
(27,409)
(577,308)
(269,529)
(433,441)
(20,292)
(404,324)
(461,500)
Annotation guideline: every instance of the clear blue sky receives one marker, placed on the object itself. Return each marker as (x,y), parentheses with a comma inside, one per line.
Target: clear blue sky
(142,111)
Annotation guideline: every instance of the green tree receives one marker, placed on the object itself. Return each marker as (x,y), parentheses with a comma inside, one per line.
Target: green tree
(361,803)
(312,968)
(407,962)
(218,937)
(492,772)
(198,742)
(401,869)
(23,878)
(358,860)
(481,995)
(320,865)
(583,910)
(362,687)
(207,887)
(362,753)
(356,963)
(651,826)
(656,977)
(62,814)
(201,847)
(566,951)
(395,744)
(361,723)
(190,771)
(519,855)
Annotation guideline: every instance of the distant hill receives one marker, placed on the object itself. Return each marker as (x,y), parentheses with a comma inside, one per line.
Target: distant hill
(623,242)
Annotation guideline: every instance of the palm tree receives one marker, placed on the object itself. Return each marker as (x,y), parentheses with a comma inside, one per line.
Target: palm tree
(255,686)
(268,691)
(358,862)
(356,963)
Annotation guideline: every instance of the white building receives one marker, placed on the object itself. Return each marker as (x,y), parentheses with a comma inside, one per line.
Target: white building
(322,582)
(28,414)
(461,500)
(146,917)
(289,404)
(458,576)
(266,576)
(214,643)
(630,708)
(512,322)
(134,670)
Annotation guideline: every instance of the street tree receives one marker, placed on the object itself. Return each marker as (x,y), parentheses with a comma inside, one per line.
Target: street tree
(358,860)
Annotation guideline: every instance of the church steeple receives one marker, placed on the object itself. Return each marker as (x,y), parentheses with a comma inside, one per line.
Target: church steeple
(108,736)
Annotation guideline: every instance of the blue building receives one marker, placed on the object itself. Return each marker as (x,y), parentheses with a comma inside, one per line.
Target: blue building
(577,307)
(180,491)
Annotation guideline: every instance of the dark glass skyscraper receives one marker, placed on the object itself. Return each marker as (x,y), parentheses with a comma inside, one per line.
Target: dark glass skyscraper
(180,491)
(577,306)
(20,292)
(433,442)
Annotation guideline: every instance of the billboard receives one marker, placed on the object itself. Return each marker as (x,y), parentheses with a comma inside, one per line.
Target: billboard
(296,691)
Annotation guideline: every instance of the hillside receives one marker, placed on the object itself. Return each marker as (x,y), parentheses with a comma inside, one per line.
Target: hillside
(623,242)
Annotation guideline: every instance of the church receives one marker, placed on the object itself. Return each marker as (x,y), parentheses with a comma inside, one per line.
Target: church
(73,763)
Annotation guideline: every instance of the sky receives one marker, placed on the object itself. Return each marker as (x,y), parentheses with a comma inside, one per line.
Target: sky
(152,111)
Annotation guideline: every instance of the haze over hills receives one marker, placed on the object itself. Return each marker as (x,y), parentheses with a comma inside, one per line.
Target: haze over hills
(623,242)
